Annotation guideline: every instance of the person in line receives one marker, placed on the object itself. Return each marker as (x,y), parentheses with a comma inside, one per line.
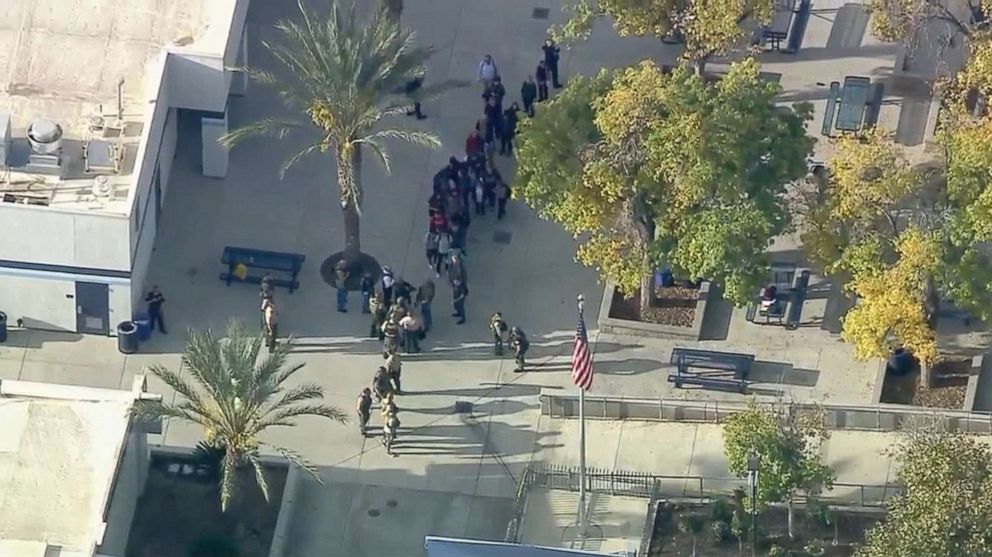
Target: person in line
(394,368)
(480,198)
(411,333)
(551,55)
(391,333)
(424,298)
(389,405)
(378,310)
(459,295)
(473,144)
(381,385)
(390,429)
(510,119)
(387,281)
(496,93)
(502,198)
(457,271)
(364,410)
(487,71)
(542,81)
(367,287)
(341,276)
(271,316)
(431,241)
(520,344)
(443,250)
(498,327)
(528,94)
(155,299)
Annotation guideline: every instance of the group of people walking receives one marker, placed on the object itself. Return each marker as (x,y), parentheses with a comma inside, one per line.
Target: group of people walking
(514,337)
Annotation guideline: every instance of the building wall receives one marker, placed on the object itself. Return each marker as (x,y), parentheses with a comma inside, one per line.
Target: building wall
(45,300)
(128,486)
(55,237)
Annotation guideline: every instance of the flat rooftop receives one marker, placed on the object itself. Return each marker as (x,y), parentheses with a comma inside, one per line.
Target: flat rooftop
(58,459)
(62,60)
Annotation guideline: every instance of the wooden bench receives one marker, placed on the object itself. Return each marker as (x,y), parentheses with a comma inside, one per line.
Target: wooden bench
(685,359)
(796,300)
(828,117)
(289,263)
(735,385)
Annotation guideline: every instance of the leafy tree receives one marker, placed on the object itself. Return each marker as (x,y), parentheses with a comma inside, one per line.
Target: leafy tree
(235,397)
(650,169)
(946,507)
(707,28)
(906,20)
(347,76)
(788,445)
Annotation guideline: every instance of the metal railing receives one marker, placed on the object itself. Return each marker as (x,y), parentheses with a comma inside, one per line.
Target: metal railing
(881,417)
(698,488)
(519,506)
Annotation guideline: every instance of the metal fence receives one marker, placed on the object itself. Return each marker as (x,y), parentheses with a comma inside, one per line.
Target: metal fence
(881,417)
(699,488)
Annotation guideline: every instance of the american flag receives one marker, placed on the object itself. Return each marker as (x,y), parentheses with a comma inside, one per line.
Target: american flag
(581,359)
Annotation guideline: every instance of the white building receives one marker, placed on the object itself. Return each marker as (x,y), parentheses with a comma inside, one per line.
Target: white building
(99,84)
(72,465)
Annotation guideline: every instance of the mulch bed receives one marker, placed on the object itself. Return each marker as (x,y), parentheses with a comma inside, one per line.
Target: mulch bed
(674,306)
(175,511)
(950,385)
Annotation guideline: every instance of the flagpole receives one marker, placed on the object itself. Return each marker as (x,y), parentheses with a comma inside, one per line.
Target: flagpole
(582,450)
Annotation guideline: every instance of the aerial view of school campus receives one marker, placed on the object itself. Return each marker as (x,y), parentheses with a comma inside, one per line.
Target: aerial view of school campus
(495,278)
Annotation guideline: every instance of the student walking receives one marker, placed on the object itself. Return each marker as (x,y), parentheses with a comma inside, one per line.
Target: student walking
(411,333)
(271,317)
(502,197)
(366,288)
(443,249)
(155,300)
(381,385)
(425,297)
(431,241)
(459,294)
(520,344)
(528,94)
(498,327)
(387,281)
(551,55)
(378,311)
(364,410)
(487,71)
(510,119)
(394,368)
(389,431)
(542,81)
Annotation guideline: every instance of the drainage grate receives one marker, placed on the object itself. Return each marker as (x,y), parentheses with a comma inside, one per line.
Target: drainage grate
(502,237)
(540,13)
(391,503)
(374,513)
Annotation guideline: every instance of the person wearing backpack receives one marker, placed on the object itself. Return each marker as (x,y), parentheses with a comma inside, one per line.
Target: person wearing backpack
(487,72)
(390,429)
(364,410)
(498,327)
(520,344)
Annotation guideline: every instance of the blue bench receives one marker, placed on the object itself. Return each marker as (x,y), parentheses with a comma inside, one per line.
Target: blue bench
(685,359)
(727,384)
(289,263)
(796,300)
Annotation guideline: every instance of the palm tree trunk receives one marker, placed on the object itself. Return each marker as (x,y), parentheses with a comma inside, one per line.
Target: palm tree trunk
(349,180)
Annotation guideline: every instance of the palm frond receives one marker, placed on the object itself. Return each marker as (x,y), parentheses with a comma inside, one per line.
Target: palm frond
(257,466)
(417,137)
(297,460)
(291,161)
(175,382)
(324,410)
(228,479)
(269,127)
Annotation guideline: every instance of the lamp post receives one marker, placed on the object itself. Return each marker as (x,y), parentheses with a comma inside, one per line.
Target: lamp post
(753,462)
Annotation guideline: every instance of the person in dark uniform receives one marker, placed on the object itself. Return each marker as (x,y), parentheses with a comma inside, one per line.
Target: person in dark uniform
(411,90)
(520,344)
(155,300)
(366,288)
(528,94)
(498,327)
(364,410)
(387,281)
(541,73)
(551,55)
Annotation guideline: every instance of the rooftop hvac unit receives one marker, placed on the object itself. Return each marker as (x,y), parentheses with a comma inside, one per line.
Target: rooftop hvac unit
(102,188)
(45,137)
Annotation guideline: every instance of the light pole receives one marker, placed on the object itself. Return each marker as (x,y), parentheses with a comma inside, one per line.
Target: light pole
(753,462)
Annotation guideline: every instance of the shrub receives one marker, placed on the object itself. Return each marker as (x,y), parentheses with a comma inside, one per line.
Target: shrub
(814,548)
(778,551)
(723,509)
(721,532)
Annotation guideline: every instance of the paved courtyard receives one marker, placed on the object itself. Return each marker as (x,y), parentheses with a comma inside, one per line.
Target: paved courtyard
(470,461)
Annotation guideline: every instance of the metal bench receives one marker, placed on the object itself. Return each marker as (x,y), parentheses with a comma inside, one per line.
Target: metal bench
(289,263)
(685,359)
(828,116)
(736,385)
(796,300)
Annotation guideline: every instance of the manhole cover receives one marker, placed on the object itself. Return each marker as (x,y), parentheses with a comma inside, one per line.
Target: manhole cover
(502,237)
(540,13)
(391,503)
(374,513)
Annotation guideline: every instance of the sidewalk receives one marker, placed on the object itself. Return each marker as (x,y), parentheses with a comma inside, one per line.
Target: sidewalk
(678,449)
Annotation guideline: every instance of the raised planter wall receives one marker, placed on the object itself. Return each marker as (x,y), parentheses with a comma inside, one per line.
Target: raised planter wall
(616,326)
(980,377)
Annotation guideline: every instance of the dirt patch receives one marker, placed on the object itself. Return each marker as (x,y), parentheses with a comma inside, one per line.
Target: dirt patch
(838,538)
(177,511)
(950,386)
(674,306)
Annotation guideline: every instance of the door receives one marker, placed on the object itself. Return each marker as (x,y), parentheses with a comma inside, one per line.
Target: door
(92,308)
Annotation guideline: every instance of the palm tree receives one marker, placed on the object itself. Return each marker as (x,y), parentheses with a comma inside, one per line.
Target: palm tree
(348,77)
(234,397)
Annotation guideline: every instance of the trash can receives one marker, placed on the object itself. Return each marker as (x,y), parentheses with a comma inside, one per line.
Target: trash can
(144,323)
(127,337)
(3,327)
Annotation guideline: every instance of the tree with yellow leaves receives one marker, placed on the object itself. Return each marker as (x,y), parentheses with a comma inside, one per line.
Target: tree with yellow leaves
(706,27)
(649,169)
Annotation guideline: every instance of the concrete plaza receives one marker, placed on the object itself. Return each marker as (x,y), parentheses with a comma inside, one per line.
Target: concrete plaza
(455,472)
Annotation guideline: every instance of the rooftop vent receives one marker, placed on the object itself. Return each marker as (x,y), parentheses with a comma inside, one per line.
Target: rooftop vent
(45,137)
